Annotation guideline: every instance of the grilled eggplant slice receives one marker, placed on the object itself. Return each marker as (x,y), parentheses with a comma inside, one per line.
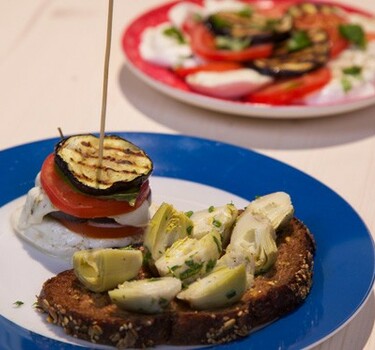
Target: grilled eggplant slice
(287,61)
(252,28)
(124,165)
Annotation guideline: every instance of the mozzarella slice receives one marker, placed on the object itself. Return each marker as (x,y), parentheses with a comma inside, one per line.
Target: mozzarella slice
(138,217)
(161,49)
(227,84)
(36,207)
(55,239)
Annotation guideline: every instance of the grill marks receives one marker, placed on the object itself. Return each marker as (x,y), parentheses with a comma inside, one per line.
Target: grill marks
(123,165)
(284,63)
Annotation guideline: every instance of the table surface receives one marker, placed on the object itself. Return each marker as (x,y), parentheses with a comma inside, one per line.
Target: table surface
(51,69)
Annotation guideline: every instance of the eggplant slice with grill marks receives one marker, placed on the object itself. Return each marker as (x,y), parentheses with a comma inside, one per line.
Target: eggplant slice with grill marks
(124,165)
(251,28)
(290,60)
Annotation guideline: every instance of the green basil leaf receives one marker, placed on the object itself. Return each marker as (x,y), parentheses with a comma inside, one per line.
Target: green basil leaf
(354,33)
(174,33)
(298,41)
(129,196)
(353,70)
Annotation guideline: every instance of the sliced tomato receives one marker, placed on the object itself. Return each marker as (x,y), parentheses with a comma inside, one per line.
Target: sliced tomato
(85,229)
(67,199)
(287,91)
(202,42)
(214,66)
(370,36)
(330,22)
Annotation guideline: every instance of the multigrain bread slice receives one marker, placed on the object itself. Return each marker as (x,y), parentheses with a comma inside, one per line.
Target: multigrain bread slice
(92,316)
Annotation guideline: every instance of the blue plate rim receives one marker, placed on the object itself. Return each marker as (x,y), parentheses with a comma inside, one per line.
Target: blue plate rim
(213,146)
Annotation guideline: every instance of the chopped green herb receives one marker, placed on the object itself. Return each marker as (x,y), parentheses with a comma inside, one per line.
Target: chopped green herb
(353,70)
(175,33)
(211,209)
(18,303)
(193,269)
(210,265)
(298,41)
(234,44)
(189,213)
(216,223)
(354,33)
(231,294)
(173,269)
(346,84)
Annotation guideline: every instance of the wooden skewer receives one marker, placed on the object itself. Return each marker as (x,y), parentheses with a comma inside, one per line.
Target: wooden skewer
(60,132)
(105,89)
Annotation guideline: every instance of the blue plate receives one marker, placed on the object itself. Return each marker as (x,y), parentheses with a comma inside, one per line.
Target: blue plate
(339,232)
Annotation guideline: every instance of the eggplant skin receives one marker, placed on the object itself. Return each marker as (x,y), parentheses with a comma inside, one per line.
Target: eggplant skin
(285,64)
(258,29)
(124,165)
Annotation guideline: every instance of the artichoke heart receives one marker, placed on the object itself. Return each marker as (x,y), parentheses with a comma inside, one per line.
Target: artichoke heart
(190,258)
(124,165)
(277,207)
(255,236)
(218,218)
(103,269)
(237,256)
(166,226)
(150,296)
(222,287)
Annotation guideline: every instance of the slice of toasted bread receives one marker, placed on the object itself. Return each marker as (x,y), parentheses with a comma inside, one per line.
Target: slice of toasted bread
(92,316)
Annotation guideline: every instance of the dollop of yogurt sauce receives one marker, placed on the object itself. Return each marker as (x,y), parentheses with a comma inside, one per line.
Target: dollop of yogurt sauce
(353,71)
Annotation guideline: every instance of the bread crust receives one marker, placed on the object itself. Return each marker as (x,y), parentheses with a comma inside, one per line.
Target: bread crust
(92,316)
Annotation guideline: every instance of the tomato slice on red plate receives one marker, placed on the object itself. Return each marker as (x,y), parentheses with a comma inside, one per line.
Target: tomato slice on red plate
(214,66)
(67,199)
(202,43)
(290,90)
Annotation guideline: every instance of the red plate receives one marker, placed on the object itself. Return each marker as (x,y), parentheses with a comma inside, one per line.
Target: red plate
(166,81)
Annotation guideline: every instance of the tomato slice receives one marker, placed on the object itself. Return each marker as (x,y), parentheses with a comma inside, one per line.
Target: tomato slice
(67,199)
(330,22)
(287,91)
(85,229)
(214,66)
(202,43)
